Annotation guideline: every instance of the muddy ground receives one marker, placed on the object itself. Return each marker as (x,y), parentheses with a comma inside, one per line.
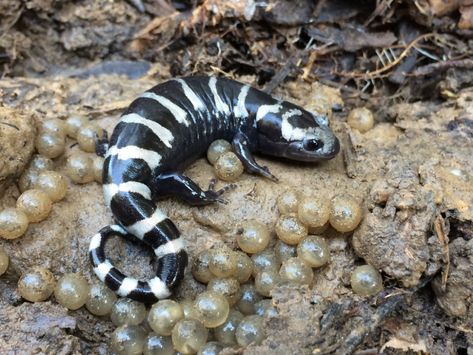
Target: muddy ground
(410,62)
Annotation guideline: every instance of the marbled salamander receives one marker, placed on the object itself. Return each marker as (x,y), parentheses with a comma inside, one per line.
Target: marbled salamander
(164,130)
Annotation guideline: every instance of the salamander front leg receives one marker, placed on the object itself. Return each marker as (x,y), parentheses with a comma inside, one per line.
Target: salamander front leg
(181,186)
(241,147)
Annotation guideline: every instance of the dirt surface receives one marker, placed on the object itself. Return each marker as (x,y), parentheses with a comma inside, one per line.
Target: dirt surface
(412,172)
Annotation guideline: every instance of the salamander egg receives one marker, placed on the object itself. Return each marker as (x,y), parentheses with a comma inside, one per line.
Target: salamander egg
(4,260)
(248,299)
(36,204)
(200,267)
(97,167)
(222,262)
(54,126)
(265,260)
(28,179)
(227,287)
(101,300)
(87,136)
(128,340)
(290,230)
(284,251)
(212,308)
(40,163)
(158,345)
(71,291)
(164,315)
(366,281)
(127,311)
(53,184)
(189,335)
(13,223)
(314,251)
(288,202)
(216,149)
(211,348)
(228,167)
(244,267)
(253,236)
(250,331)
(345,213)
(361,119)
(266,281)
(79,168)
(313,212)
(225,333)
(74,123)
(36,284)
(50,145)
(296,271)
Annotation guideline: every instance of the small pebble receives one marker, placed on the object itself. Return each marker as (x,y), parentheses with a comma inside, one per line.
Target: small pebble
(345,213)
(288,202)
(101,300)
(290,230)
(79,168)
(250,331)
(35,203)
(253,236)
(36,284)
(88,135)
(158,345)
(366,281)
(4,260)
(228,167)
(212,308)
(296,271)
(128,340)
(127,311)
(164,315)
(50,145)
(314,251)
(13,223)
(71,291)
(189,335)
(361,119)
(216,149)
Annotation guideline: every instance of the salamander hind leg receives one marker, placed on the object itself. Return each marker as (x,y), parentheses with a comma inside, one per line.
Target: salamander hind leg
(183,187)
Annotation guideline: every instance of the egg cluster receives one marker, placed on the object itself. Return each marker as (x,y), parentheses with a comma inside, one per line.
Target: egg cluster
(239,283)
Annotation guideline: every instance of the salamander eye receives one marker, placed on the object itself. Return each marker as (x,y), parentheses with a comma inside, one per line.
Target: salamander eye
(313,144)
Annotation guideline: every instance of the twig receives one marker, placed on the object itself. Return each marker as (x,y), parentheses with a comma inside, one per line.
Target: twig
(378,72)
(443,66)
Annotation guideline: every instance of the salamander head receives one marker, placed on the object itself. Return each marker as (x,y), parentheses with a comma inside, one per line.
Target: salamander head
(286,130)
